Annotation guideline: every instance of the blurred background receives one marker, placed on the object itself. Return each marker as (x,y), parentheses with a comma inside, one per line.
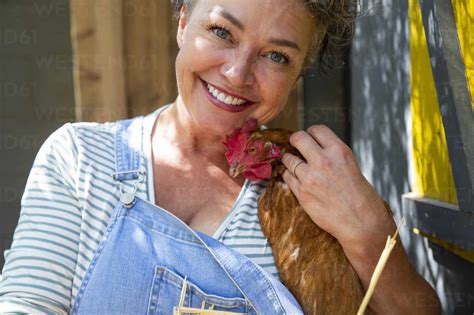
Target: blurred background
(401,98)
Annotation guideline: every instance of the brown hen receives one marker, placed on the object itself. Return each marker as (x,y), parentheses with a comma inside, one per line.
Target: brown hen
(310,261)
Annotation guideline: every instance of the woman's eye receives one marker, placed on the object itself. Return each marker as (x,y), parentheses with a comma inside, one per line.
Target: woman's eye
(219,31)
(279,57)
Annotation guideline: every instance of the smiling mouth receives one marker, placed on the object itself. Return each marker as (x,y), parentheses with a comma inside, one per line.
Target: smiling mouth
(223,97)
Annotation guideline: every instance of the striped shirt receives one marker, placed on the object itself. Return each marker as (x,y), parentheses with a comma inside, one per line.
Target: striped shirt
(68,199)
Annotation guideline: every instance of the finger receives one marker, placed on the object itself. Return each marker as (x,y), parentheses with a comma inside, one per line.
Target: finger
(323,135)
(294,164)
(291,181)
(305,144)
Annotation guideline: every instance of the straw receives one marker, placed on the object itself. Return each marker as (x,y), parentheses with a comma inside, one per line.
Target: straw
(391,241)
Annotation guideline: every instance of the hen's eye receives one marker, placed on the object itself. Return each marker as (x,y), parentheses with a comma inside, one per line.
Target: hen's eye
(252,150)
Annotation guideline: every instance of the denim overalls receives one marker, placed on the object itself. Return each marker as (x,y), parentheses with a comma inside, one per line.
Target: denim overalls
(149,261)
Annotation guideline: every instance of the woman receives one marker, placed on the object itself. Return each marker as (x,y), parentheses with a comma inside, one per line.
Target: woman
(235,62)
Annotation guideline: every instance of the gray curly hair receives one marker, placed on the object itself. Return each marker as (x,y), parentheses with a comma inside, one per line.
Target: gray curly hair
(334,23)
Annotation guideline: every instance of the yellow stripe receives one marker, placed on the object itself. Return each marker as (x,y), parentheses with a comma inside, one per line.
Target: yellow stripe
(459,251)
(464,16)
(433,175)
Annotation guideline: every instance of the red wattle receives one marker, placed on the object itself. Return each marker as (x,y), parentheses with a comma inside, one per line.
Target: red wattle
(259,171)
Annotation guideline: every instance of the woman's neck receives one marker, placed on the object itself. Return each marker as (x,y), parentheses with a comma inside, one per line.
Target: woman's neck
(174,126)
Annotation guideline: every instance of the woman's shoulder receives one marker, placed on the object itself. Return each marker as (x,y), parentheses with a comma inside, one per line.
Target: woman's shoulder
(105,130)
(73,129)
(79,136)
(100,132)
(79,146)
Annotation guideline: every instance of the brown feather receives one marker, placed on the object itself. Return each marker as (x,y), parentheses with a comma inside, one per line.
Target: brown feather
(310,261)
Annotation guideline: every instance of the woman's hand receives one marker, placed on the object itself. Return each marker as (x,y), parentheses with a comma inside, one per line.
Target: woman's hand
(332,189)
(338,198)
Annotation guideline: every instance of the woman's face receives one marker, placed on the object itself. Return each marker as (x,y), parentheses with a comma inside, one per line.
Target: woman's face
(240,59)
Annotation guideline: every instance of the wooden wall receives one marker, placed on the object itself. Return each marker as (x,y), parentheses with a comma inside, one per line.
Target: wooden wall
(124,56)
(150,50)
(97,42)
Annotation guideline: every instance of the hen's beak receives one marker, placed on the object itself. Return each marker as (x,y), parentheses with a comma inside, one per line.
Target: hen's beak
(235,170)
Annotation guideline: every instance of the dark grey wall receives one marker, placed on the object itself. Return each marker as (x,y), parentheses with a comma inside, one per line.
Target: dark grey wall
(36,93)
(325,99)
(381,139)
(380,97)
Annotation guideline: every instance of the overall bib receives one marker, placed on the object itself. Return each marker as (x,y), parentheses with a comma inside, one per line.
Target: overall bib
(149,261)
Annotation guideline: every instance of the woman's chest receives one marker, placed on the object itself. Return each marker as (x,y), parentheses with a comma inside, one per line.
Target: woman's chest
(200,201)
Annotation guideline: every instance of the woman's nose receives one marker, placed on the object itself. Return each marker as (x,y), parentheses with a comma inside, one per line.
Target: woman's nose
(239,70)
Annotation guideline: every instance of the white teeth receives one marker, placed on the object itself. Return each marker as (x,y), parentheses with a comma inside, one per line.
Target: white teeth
(224,97)
(228,100)
(221,97)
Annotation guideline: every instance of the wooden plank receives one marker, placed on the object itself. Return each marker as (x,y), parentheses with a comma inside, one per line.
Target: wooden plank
(150,53)
(433,175)
(442,220)
(464,16)
(97,40)
(453,94)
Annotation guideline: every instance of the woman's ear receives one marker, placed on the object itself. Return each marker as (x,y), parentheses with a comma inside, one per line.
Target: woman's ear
(181,26)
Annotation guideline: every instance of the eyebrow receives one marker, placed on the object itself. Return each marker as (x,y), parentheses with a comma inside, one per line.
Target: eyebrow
(285,42)
(232,19)
(276,41)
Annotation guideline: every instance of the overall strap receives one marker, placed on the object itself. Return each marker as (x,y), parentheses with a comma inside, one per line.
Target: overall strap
(128,154)
(128,149)
(129,135)
(265,291)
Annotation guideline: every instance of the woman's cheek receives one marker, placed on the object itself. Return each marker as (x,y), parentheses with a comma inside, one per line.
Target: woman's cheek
(276,96)
(272,105)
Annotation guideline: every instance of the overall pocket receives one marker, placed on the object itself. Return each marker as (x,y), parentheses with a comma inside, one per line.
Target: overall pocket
(166,292)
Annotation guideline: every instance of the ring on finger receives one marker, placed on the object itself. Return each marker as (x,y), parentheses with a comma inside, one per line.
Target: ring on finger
(294,168)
